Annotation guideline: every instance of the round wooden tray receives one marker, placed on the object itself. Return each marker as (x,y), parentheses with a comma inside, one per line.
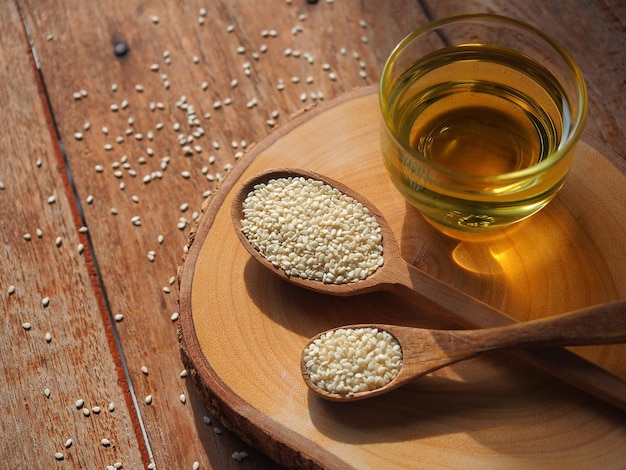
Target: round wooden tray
(242,329)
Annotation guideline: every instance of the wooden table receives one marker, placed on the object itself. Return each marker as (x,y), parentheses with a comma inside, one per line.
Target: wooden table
(119,118)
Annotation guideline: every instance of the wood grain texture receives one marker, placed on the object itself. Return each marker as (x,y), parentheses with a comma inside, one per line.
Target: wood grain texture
(245,315)
(74,41)
(46,289)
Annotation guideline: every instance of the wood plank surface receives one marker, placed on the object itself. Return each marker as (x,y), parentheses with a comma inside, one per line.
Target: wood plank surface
(235,69)
(56,341)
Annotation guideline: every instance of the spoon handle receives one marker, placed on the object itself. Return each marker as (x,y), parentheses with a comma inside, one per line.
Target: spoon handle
(601,324)
(423,289)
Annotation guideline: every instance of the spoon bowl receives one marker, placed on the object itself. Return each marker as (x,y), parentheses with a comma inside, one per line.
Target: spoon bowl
(425,351)
(383,278)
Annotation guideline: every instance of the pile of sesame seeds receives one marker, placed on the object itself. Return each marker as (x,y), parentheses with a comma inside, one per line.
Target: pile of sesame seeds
(345,361)
(313,231)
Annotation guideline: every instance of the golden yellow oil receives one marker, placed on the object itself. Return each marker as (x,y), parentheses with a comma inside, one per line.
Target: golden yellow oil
(475,112)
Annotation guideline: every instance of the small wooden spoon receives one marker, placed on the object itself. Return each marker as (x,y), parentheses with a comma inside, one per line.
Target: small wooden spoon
(424,351)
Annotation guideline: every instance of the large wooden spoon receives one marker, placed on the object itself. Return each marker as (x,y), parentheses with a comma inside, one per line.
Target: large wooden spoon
(395,275)
(424,351)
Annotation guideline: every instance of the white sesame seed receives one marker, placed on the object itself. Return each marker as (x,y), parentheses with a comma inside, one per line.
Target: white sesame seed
(105,442)
(79,403)
(68,443)
(47,392)
(111,407)
(183,398)
(78,135)
(86,412)
(119,317)
(26,325)
(196,465)
(48,337)
(96,410)
(217,430)
(174,316)
(347,253)
(350,360)
(206,420)
(28,237)
(59,456)
(183,373)
(148,400)
(144,369)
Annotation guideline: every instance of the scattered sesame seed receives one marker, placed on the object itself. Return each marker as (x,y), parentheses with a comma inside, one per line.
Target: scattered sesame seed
(206,420)
(217,430)
(47,392)
(119,317)
(105,442)
(27,237)
(27,326)
(59,456)
(78,135)
(48,337)
(79,403)
(86,412)
(148,400)
(183,398)
(239,456)
(111,407)
(68,443)
(96,410)
(144,369)
(183,373)
(155,19)
(45,302)
(175,316)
